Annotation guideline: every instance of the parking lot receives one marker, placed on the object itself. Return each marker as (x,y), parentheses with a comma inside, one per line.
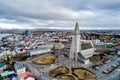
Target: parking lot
(108,68)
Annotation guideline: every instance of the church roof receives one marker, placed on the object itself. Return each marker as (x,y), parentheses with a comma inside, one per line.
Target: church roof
(86,46)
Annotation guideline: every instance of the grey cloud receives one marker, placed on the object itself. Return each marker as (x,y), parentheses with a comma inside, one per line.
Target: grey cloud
(60,13)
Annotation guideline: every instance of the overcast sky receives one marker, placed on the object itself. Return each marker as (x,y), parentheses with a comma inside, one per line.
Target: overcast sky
(60,14)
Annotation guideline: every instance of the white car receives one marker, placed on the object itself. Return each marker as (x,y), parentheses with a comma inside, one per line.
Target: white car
(114,65)
(108,61)
(97,68)
(117,64)
(106,71)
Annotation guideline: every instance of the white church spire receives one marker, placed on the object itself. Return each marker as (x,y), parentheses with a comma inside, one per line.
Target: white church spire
(75,46)
(77,31)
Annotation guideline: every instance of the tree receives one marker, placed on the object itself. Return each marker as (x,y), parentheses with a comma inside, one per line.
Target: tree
(85,74)
(8,59)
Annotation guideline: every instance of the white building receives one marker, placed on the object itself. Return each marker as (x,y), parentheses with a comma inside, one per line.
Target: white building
(20,68)
(87,48)
(50,45)
(39,51)
(20,50)
(80,49)
(2,53)
(75,46)
(59,46)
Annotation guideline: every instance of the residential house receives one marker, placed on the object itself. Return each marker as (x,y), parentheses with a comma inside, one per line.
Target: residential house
(25,76)
(20,68)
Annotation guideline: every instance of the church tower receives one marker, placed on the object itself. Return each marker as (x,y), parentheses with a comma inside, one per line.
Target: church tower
(75,46)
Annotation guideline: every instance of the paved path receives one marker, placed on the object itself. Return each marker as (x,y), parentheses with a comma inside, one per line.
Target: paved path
(63,61)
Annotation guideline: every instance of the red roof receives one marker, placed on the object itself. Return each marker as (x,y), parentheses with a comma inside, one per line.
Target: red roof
(118,46)
(23,75)
(28,77)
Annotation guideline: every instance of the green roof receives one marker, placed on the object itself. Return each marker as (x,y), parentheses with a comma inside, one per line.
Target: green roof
(108,45)
(4,74)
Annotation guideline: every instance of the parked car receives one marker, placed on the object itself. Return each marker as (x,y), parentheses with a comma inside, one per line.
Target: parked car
(110,69)
(117,64)
(97,68)
(106,72)
(114,65)
(108,61)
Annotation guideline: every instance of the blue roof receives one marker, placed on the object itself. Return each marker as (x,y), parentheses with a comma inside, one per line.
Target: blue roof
(2,65)
(12,72)
(14,78)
